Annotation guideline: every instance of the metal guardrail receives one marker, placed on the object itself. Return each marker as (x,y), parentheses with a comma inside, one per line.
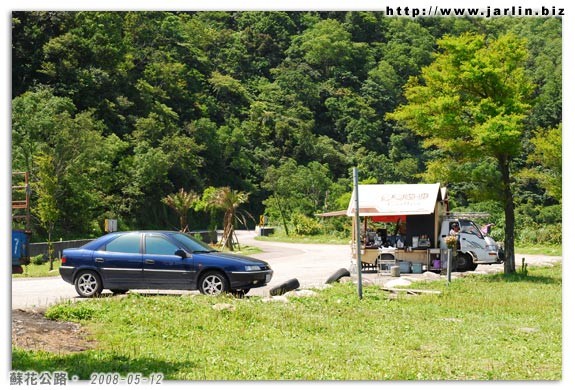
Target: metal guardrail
(41,248)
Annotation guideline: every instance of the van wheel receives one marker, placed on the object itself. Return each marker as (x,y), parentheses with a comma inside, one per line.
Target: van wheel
(464,262)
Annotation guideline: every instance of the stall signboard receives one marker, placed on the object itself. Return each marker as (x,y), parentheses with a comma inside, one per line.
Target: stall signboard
(396,199)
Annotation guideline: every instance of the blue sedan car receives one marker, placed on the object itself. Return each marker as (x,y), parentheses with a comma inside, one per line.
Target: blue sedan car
(162,260)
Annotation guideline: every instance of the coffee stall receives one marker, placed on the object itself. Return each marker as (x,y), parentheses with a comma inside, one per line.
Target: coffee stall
(400,225)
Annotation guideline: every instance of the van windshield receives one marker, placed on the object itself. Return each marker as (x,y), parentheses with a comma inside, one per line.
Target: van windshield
(469,227)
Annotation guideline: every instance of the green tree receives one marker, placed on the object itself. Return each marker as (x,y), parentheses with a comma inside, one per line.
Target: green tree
(43,123)
(181,202)
(408,46)
(48,194)
(30,32)
(547,160)
(296,189)
(471,104)
(326,45)
(229,201)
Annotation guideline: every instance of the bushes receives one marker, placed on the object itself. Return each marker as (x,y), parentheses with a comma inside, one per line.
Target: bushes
(534,224)
(70,312)
(541,234)
(338,227)
(38,259)
(306,226)
(541,225)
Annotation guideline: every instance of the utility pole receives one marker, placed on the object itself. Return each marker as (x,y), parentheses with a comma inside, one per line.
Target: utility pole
(357,233)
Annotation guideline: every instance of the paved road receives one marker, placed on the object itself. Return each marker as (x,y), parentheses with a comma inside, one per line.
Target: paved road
(311,264)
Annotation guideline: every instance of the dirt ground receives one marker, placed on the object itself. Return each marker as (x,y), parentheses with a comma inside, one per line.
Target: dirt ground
(32,331)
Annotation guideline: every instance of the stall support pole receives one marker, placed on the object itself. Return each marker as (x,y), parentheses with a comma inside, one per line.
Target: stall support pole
(449,260)
(357,233)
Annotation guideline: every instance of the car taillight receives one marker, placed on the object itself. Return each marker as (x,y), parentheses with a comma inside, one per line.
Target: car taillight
(63,260)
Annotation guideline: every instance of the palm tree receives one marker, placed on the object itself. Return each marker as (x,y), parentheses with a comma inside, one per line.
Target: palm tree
(228,200)
(182,202)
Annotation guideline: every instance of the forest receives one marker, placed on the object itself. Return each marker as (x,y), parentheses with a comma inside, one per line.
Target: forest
(114,112)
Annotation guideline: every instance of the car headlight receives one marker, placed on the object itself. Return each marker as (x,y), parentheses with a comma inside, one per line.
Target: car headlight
(252,267)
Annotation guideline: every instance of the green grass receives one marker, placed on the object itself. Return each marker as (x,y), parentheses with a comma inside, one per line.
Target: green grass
(42,270)
(494,327)
(246,250)
(552,250)
(317,239)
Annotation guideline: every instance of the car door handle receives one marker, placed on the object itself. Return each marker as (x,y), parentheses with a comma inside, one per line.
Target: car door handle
(149,261)
(99,260)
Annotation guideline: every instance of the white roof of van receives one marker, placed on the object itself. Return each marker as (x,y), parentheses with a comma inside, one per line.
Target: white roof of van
(396,199)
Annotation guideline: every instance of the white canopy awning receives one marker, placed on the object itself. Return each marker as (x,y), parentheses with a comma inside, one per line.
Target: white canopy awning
(396,199)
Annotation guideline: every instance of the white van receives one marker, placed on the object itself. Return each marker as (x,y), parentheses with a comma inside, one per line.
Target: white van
(473,247)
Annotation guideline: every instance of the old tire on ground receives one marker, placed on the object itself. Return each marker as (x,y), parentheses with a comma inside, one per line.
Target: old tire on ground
(213,283)
(283,288)
(88,284)
(337,275)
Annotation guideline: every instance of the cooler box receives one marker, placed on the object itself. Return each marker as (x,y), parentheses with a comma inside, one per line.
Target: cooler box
(417,268)
(405,267)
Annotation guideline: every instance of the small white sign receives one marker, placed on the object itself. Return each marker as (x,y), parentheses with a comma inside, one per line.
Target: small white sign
(111,225)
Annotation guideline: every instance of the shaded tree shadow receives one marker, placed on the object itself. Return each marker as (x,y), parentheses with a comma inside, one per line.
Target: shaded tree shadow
(523,277)
(85,363)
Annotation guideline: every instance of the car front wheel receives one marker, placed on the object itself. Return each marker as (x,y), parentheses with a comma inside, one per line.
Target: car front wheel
(88,284)
(213,283)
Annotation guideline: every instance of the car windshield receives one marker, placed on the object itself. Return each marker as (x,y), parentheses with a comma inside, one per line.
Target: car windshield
(191,244)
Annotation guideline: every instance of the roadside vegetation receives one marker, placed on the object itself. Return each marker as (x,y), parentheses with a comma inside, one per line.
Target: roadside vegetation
(39,269)
(280,106)
(280,236)
(495,327)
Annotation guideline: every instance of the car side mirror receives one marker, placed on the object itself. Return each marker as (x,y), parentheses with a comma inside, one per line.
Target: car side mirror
(182,253)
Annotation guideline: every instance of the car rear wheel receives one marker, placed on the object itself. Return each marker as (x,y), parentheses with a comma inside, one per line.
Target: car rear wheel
(213,283)
(88,284)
